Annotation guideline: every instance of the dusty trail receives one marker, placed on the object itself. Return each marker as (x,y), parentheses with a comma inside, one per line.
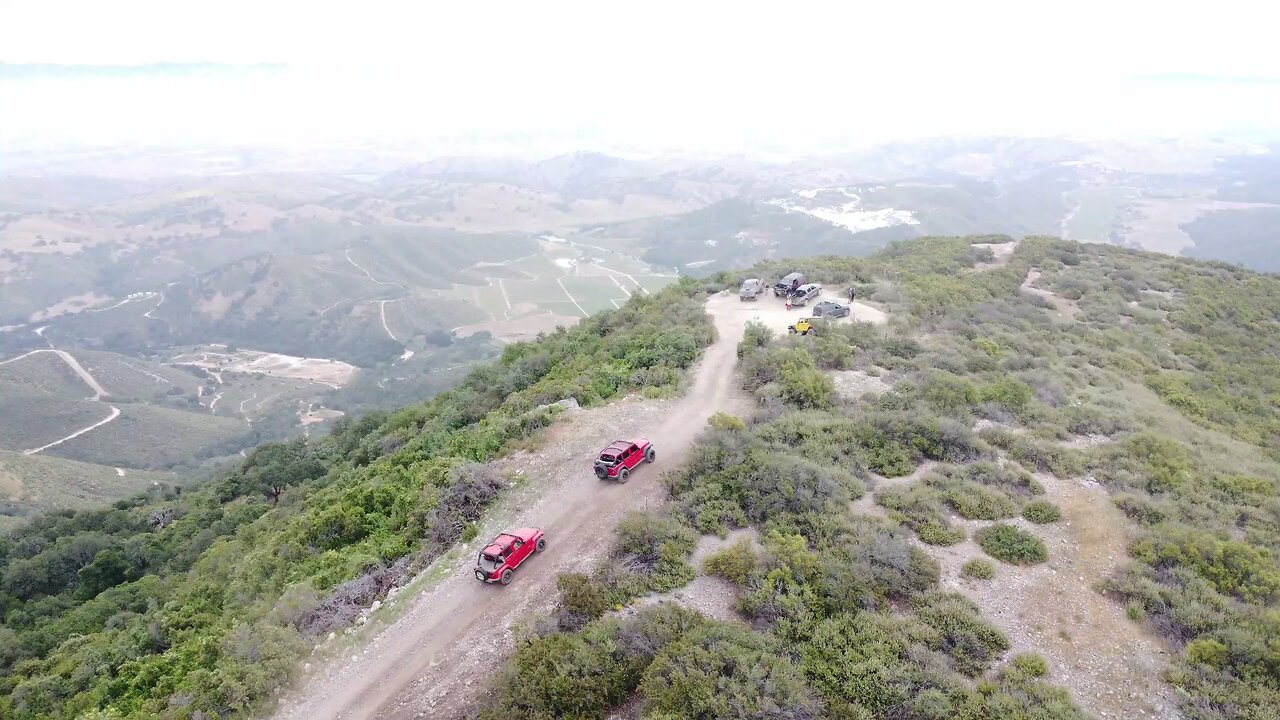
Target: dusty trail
(115,413)
(439,656)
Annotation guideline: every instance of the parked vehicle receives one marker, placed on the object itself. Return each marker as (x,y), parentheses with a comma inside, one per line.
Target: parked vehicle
(788,284)
(618,460)
(831,309)
(751,289)
(805,293)
(804,326)
(498,561)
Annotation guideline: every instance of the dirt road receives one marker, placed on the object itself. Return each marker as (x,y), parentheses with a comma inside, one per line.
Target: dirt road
(98,391)
(440,655)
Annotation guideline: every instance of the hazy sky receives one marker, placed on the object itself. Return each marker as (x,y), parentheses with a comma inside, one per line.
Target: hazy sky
(654,75)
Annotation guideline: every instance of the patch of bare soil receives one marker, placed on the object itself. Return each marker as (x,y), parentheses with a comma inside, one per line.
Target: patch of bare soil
(1003,252)
(1063,308)
(323,371)
(439,656)
(68,305)
(1110,665)
(852,385)
(712,596)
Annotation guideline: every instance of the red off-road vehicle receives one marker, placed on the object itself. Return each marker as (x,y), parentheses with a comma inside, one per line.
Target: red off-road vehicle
(617,460)
(499,559)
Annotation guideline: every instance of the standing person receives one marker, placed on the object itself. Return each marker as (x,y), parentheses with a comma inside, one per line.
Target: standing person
(788,303)
(851,294)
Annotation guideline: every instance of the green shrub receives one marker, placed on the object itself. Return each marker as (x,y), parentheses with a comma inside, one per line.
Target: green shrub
(582,675)
(1041,512)
(974,502)
(980,569)
(1030,664)
(1207,651)
(657,547)
(938,534)
(972,643)
(725,421)
(581,600)
(734,563)
(722,672)
(1008,393)
(1009,544)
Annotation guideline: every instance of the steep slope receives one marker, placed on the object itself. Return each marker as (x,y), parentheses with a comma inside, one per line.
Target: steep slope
(217,592)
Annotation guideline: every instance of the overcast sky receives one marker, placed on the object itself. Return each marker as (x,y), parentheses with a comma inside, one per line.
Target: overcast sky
(655,75)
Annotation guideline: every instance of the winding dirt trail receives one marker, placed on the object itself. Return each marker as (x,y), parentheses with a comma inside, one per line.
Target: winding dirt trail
(437,658)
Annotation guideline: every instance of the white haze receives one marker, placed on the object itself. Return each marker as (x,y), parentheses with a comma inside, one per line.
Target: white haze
(643,78)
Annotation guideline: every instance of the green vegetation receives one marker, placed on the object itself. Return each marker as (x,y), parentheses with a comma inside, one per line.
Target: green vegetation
(1174,362)
(1014,546)
(1041,512)
(735,563)
(32,484)
(845,613)
(33,418)
(979,569)
(198,602)
(129,440)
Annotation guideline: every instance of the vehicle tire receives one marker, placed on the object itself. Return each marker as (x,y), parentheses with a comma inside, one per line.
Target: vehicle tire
(622,475)
(542,545)
(506,576)
(650,455)
(480,576)
(601,472)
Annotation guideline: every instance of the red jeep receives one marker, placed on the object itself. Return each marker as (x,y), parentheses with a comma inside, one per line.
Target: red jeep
(499,559)
(617,460)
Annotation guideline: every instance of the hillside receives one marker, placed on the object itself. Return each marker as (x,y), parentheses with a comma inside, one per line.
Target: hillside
(388,490)
(1049,469)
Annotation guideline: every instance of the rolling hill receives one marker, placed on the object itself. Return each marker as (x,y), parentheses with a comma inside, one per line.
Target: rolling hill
(1048,472)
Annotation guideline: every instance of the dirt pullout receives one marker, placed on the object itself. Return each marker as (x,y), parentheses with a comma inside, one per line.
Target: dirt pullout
(852,385)
(1003,253)
(438,658)
(1109,664)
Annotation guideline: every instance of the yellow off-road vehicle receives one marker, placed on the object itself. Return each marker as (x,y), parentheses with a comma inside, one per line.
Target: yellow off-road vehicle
(804,326)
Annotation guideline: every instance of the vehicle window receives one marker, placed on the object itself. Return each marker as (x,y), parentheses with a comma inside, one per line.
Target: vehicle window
(517,544)
(489,563)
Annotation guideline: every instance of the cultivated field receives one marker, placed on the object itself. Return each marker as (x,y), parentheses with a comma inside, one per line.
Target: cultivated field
(564,282)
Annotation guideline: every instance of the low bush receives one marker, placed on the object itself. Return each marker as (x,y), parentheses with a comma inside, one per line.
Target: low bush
(979,569)
(1009,544)
(1041,512)
(656,547)
(722,672)
(1030,664)
(735,563)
